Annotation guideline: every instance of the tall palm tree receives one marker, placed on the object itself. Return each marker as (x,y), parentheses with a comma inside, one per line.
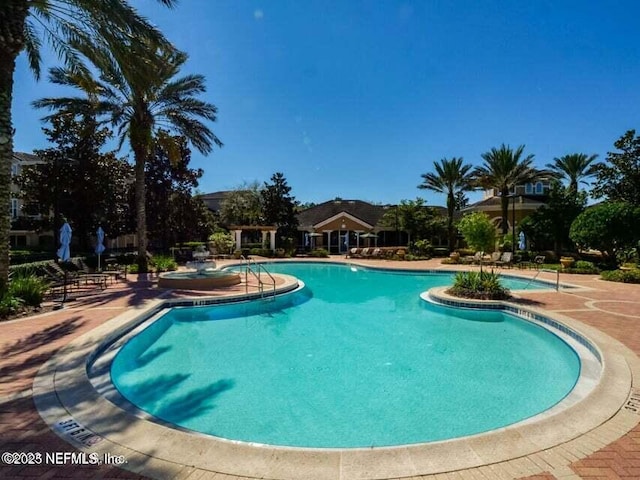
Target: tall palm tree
(24,25)
(138,106)
(504,169)
(573,167)
(451,177)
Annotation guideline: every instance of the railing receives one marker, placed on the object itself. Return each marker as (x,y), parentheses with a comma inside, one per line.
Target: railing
(256,271)
(546,270)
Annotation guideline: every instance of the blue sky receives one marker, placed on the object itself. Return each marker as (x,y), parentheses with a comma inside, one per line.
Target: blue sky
(357,99)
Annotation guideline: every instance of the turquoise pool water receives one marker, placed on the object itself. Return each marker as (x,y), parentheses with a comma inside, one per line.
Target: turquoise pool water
(356,359)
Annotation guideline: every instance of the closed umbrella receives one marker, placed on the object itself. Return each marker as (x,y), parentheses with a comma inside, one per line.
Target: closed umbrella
(99,244)
(521,241)
(64,254)
(65,240)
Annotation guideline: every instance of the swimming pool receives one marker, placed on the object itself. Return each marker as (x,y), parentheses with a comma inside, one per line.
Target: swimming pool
(355,359)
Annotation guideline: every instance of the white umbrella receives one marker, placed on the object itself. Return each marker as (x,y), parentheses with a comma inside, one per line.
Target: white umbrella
(521,241)
(65,240)
(99,244)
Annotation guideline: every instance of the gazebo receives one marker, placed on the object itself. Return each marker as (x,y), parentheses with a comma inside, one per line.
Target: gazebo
(270,230)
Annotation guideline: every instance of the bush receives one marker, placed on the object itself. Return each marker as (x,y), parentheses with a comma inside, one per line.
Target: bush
(164,263)
(221,242)
(9,304)
(483,285)
(423,248)
(133,268)
(30,289)
(583,264)
(319,252)
(624,276)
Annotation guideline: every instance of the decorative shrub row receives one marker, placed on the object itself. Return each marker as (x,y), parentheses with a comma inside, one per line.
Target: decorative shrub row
(624,276)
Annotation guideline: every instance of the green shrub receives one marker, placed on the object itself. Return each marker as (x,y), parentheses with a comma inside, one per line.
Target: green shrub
(440,252)
(9,304)
(464,252)
(319,252)
(583,265)
(423,248)
(484,285)
(221,242)
(30,289)
(133,268)
(624,276)
(164,263)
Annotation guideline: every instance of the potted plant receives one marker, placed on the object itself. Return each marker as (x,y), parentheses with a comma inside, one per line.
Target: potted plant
(567,262)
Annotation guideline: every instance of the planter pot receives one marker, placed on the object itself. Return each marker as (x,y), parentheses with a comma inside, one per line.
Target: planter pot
(567,262)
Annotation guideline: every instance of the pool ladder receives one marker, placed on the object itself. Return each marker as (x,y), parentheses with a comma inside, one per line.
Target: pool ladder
(251,267)
(547,270)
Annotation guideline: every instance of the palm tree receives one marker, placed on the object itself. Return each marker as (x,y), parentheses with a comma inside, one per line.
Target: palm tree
(24,25)
(573,167)
(451,178)
(139,97)
(504,169)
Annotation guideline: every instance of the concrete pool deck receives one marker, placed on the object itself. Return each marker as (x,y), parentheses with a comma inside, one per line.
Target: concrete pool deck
(611,450)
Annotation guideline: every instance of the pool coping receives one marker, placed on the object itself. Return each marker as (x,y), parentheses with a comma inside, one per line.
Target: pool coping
(62,391)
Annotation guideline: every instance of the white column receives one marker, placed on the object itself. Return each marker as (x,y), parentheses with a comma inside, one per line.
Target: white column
(328,246)
(272,239)
(264,237)
(237,235)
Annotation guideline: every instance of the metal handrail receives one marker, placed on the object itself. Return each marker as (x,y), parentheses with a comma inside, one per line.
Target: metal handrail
(257,266)
(546,270)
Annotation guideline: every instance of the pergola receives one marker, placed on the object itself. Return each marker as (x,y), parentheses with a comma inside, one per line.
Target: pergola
(270,230)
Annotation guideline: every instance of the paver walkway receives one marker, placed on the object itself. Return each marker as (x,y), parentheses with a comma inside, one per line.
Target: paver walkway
(26,344)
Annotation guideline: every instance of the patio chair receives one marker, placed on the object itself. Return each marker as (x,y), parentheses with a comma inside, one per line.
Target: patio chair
(538,261)
(506,260)
(354,253)
(495,256)
(473,259)
(365,252)
(377,253)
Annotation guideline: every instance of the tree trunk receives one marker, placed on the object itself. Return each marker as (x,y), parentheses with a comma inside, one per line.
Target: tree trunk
(451,205)
(141,213)
(504,203)
(12,20)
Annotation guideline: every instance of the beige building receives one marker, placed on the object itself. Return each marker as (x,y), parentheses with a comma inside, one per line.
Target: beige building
(523,201)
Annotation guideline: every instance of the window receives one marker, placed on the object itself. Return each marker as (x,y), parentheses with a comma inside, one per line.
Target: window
(14,169)
(539,187)
(14,208)
(529,188)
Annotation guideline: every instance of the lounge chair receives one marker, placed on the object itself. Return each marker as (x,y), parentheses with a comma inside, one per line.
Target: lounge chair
(506,260)
(365,252)
(473,259)
(539,260)
(495,256)
(354,253)
(377,253)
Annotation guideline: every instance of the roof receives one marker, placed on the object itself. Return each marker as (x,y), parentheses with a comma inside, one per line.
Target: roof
(364,211)
(213,200)
(530,201)
(26,157)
